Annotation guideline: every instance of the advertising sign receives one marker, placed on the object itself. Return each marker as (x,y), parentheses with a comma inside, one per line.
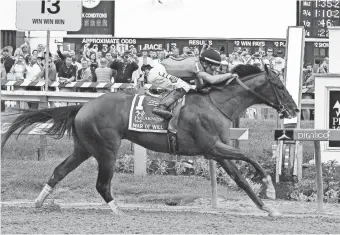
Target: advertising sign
(97,17)
(334,114)
(48,15)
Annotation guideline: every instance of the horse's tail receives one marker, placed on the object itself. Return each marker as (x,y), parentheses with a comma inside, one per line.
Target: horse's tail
(62,117)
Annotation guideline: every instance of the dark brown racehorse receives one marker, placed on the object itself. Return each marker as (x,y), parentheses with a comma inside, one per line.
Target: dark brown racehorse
(203,129)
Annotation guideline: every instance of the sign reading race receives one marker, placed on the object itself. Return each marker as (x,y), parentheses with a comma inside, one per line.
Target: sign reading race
(53,15)
(317,16)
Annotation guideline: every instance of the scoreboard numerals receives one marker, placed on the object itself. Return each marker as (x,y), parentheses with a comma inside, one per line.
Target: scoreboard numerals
(306,23)
(52,10)
(307,33)
(307,13)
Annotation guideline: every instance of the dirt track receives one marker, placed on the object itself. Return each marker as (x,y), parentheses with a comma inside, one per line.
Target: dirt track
(53,219)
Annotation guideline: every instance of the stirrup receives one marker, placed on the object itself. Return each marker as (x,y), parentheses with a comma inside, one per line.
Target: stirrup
(162,113)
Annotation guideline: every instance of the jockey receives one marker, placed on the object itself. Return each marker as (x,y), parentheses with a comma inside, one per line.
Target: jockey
(169,72)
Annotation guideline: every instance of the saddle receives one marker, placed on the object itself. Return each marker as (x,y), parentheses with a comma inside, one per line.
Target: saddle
(141,118)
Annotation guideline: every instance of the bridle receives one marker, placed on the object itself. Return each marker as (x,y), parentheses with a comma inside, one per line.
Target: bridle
(280,108)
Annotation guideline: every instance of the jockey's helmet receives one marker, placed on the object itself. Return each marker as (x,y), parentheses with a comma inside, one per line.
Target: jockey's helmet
(211,56)
(145,67)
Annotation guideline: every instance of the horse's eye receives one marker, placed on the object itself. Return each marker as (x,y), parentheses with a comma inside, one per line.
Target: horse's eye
(281,87)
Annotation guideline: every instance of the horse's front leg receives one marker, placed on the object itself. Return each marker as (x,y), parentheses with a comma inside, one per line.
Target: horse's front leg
(234,173)
(223,151)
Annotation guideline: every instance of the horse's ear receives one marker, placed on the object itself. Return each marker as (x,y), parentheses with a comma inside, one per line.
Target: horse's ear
(266,68)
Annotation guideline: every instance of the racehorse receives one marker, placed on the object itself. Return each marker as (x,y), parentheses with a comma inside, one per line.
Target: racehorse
(204,123)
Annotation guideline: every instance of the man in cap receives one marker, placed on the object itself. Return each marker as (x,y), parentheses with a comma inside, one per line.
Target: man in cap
(7,60)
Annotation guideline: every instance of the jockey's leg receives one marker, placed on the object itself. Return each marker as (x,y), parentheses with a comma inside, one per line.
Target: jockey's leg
(159,77)
(162,109)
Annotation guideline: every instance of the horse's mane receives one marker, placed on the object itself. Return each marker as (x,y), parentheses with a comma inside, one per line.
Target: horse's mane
(243,70)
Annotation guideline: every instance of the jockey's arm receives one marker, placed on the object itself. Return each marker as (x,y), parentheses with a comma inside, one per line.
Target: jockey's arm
(213,79)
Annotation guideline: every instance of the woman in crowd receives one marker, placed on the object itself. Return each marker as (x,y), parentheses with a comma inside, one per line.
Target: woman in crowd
(93,58)
(103,73)
(19,68)
(2,71)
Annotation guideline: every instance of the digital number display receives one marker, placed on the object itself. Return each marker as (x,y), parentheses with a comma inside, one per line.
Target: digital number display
(317,16)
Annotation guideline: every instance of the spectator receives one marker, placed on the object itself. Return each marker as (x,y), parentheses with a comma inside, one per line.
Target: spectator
(94,77)
(24,49)
(2,71)
(41,50)
(19,68)
(308,78)
(7,60)
(109,59)
(324,66)
(125,67)
(33,69)
(99,56)
(3,75)
(84,74)
(144,59)
(175,53)
(103,73)
(154,58)
(278,63)
(60,58)
(67,71)
(33,73)
(73,56)
(161,55)
(224,67)
(133,50)
(52,72)
(223,56)
(316,66)
(93,59)
(269,58)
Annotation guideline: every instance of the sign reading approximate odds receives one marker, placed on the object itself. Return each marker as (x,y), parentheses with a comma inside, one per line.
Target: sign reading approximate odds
(317,16)
(49,15)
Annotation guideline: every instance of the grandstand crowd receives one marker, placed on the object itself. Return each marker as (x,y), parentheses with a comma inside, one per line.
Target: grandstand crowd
(94,66)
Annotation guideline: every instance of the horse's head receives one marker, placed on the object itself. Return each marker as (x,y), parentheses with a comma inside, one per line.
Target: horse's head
(268,88)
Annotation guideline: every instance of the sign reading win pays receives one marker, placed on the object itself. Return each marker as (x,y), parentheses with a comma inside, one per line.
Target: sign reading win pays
(55,15)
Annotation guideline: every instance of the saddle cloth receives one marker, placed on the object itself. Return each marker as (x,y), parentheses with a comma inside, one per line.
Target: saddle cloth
(142,119)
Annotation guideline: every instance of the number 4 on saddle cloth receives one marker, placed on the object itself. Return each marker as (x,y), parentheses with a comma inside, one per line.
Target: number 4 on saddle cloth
(142,119)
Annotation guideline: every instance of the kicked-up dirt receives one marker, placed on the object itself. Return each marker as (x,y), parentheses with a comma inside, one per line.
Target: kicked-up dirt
(52,219)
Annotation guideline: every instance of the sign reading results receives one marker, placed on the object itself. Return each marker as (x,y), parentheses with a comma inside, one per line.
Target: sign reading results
(56,15)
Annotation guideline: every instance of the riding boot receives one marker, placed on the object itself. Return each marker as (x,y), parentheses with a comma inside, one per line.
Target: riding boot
(162,109)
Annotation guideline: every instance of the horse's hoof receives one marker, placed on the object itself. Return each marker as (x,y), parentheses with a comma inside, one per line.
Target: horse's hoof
(275,214)
(271,194)
(38,204)
(118,212)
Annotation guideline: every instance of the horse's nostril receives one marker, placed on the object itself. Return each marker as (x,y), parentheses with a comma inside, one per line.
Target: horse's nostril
(297,110)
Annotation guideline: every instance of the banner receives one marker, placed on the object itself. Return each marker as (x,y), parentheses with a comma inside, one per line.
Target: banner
(334,114)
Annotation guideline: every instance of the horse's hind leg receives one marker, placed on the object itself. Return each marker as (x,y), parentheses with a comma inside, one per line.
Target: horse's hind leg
(78,156)
(234,173)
